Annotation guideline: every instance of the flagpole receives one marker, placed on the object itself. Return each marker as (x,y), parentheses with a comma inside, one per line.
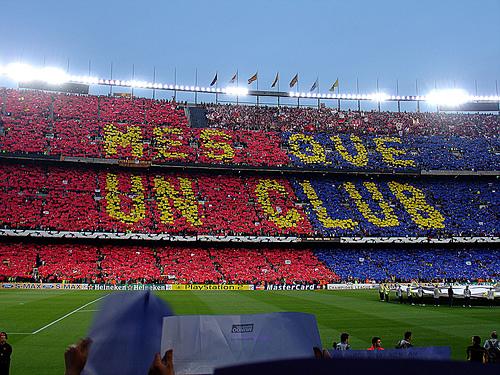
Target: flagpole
(357,92)
(196,85)
(279,89)
(257,86)
(317,90)
(216,86)
(175,84)
(338,94)
(416,90)
(154,80)
(378,98)
(111,77)
(237,85)
(298,90)
(133,76)
(397,93)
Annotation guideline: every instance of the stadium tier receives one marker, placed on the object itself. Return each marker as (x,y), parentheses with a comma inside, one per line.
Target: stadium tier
(105,197)
(106,263)
(59,125)
(407,265)
(86,199)
(168,264)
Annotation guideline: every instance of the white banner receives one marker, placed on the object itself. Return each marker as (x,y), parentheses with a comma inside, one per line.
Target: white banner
(202,343)
(350,286)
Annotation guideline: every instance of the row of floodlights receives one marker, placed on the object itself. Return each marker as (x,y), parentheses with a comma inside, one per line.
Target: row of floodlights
(25,73)
(445,96)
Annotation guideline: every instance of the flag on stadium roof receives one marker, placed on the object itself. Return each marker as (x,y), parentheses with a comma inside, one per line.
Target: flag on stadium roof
(294,80)
(335,85)
(314,86)
(214,81)
(276,79)
(252,78)
(234,78)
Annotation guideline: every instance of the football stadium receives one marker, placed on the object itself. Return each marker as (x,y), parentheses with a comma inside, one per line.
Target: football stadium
(124,200)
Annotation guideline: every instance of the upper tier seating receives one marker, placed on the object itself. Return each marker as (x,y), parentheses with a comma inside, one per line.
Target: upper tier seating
(47,124)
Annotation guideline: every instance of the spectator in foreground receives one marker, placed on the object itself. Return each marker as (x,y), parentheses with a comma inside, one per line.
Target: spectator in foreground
(5,353)
(343,344)
(376,344)
(76,356)
(492,346)
(405,343)
(475,352)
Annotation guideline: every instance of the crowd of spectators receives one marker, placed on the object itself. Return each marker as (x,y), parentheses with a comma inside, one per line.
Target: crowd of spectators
(122,264)
(114,264)
(50,198)
(411,153)
(48,124)
(407,265)
(83,199)
(400,208)
(325,119)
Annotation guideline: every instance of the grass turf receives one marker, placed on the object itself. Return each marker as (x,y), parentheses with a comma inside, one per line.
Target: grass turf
(23,312)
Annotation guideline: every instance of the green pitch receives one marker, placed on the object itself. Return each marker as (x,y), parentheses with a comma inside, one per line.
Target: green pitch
(42,323)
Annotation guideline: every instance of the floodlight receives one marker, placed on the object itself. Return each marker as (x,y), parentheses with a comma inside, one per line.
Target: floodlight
(241,91)
(379,97)
(449,97)
(20,72)
(53,76)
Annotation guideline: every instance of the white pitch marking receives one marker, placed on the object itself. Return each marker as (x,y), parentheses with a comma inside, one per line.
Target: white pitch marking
(68,314)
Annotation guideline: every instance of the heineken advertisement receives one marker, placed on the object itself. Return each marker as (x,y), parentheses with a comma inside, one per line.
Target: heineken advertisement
(166,287)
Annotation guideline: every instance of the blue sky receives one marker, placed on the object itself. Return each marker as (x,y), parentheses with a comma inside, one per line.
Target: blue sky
(442,42)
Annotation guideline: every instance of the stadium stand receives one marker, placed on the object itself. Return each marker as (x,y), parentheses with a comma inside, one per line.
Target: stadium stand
(85,199)
(126,264)
(114,200)
(406,265)
(45,124)
(350,122)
